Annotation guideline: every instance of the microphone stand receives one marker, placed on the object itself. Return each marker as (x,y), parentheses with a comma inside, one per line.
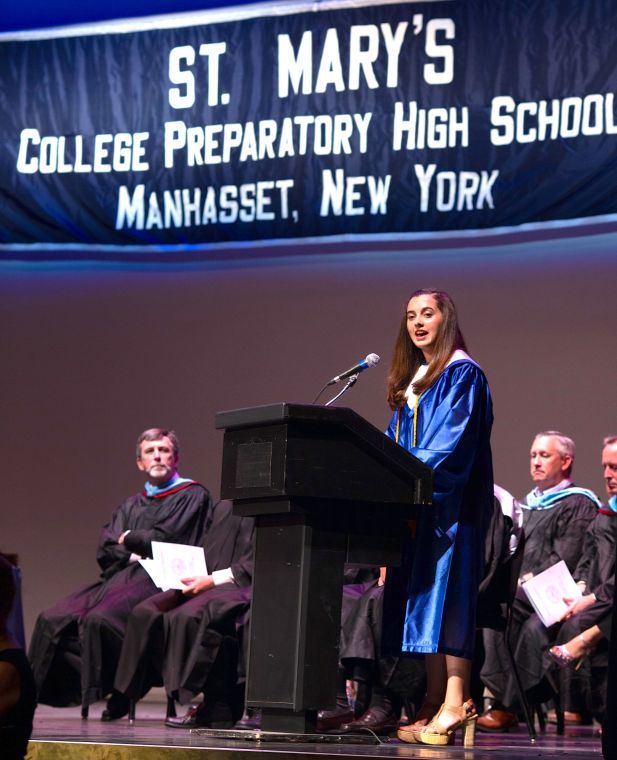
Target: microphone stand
(350,383)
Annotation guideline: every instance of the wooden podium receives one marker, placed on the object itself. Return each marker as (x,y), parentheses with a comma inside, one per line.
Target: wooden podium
(326,488)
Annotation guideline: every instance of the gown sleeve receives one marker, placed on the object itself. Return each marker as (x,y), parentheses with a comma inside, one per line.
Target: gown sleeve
(450,428)
(111,555)
(181,523)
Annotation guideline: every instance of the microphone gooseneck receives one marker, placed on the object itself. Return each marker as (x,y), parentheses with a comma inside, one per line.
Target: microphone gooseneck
(352,373)
(369,361)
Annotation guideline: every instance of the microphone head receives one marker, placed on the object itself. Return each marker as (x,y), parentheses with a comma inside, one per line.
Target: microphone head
(372,359)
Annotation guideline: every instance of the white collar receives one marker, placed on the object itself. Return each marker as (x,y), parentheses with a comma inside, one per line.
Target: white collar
(457,356)
(565,483)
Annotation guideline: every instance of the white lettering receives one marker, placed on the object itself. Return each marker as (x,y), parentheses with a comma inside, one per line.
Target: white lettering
(181,98)
(557,119)
(330,68)
(433,128)
(130,208)
(293,69)
(445,73)
(465,190)
(343,195)
(394,43)
(213,52)
(253,201)
(363,59)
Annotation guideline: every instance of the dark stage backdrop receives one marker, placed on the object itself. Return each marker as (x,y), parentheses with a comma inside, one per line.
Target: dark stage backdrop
(521,102)
(93,355)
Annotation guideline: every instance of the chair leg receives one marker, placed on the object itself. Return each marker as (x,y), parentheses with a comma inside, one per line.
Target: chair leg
(561,724)
(541,718)
(84,711)
(519,688)
(132,710)
(171,708)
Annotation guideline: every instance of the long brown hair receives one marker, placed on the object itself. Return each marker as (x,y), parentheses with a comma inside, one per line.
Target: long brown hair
(407,357)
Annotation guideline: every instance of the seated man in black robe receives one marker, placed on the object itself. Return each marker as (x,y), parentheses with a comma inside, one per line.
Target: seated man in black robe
(187,640)
(581,638)
(556,516)
(76,643)
(382,682)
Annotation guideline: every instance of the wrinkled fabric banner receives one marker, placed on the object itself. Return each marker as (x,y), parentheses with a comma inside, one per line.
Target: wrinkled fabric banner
(356,120)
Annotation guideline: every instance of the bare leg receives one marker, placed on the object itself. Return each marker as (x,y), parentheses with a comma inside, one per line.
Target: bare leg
(448,684)
(447,679)
(457,710)
(458,671)
(436,678)
(457,689)
(580,645)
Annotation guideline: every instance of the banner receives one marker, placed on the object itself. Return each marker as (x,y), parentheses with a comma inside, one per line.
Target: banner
(309,123)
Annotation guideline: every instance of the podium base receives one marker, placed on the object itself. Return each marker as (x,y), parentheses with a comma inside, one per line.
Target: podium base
(258,735)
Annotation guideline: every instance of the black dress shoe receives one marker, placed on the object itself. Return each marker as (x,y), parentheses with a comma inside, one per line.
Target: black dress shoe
(329,720)
(117,707)
(376,719)
(204,715)
(188,720)
(250,721)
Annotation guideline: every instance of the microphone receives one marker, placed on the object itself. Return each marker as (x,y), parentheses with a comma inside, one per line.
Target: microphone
(370,361)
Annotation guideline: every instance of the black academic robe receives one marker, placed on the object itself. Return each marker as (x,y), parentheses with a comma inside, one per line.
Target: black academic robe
(551,535)
(76,643)
(597,565)
(173,639)
(579,692)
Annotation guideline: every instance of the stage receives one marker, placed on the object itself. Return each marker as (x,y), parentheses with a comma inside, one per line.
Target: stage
(61,734)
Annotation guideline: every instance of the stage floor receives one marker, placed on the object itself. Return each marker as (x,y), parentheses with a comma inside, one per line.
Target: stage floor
(61,734)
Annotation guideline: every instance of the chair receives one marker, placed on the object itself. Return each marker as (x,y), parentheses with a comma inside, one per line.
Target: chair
(170,712)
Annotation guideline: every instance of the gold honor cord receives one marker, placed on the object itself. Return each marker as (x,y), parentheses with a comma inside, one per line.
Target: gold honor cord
(412,523)
(415,423)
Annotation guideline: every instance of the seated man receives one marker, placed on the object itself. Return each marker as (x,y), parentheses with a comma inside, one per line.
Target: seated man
(581,638)
(187,640)
(383,682)
(17,691)
(556,516)
(76,643)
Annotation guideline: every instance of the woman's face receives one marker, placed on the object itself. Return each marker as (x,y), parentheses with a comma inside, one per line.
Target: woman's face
(424,323)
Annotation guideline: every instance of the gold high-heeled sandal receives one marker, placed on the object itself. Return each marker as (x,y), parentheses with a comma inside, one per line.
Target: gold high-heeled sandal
(436,734)
(423,717)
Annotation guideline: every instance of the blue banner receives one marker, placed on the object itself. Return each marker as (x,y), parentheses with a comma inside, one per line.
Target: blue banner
(354,120)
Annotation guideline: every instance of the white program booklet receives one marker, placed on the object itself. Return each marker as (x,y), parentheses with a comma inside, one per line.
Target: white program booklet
(151,566)
(172,562)
(547,590)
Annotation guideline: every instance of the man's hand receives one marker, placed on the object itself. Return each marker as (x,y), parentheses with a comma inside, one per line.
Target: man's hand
(578,605)
(122,536)
(197,585)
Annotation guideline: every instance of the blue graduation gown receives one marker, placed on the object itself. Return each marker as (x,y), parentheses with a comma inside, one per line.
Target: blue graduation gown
(444,560)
